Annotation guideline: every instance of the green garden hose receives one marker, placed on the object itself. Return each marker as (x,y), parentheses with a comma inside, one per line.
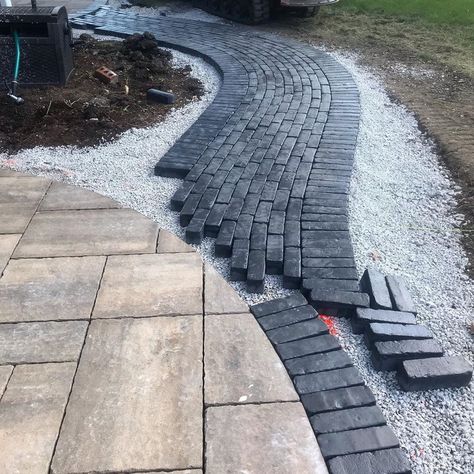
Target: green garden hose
(16,71)
(18,56)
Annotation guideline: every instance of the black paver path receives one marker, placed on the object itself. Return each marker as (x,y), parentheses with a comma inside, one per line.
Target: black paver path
(267,166)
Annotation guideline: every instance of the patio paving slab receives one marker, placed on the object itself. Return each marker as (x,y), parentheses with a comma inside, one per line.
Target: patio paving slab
(219,296)
(49,289)
(137,401)
(27,343)
(8,243)
(240,364)
(19,199)
(150,285)
(170,243)
(269,438)
(66,197)
(31,411)
(87,232)
(5,372)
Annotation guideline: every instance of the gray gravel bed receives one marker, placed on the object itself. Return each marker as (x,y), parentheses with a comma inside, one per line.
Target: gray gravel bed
(403,220)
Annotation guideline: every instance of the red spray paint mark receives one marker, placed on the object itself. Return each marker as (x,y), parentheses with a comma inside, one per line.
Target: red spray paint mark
(329,322)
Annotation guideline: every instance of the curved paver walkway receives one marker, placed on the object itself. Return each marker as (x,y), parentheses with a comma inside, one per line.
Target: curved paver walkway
(120,351)
(267,166)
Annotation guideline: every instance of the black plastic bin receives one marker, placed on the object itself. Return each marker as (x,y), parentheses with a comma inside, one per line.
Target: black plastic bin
(45,44)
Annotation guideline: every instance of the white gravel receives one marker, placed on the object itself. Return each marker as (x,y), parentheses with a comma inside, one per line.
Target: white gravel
(403,220)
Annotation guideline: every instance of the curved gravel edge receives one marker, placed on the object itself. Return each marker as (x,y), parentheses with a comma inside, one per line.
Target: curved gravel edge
(403,220)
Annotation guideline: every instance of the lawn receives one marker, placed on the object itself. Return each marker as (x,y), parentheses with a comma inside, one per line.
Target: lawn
(446,12)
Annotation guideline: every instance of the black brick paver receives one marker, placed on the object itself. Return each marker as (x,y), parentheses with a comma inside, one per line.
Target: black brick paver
(276,145)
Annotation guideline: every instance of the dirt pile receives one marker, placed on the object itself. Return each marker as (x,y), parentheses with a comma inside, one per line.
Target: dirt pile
(87,111)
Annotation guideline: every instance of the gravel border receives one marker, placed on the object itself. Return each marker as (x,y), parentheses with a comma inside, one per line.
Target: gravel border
(403,220)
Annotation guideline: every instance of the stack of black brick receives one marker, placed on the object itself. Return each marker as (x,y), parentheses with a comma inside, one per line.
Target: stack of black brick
(351,430)
(398,343)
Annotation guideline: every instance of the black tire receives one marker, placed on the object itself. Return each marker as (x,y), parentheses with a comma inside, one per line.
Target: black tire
(307,12)
(243,11)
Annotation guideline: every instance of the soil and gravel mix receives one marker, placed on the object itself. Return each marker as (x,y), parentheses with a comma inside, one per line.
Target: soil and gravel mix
(87,111)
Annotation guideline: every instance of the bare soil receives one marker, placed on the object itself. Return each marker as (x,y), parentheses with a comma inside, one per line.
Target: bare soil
(88,112)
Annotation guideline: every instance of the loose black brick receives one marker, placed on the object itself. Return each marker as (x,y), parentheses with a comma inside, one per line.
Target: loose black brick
(318,363)
(321,225)
(287,317)
(434,373)
(338,399)
(244,226)
(327,251)
(277,222)
(274,254)
(337,299)
(293,212)
(301,330)
(281,200)
(365,316)
(258,236)
(292,234)
(240,260)
(195,229)
(180,196)
(350,419)
(357,441)
(225,194)
(393,332)
(189,208)
(387,461)
(330,273)
(292,268)
(400,295)
(373,283)
(312,345)
(208,198)
(263,212)
(388,355)
(329,380)
(279,304)
(233,210)
(223,247)
(328,262)
(256,271)
(330,285)
(214,220)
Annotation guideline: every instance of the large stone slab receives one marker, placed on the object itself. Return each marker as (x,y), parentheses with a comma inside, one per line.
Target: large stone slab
(88,232)
(27,343)
(150,285)
(137,398)
(219,296)
(19,199)
(49,289)
(170,243)
(5,372)
(7,245)
(64,196)
(31,411)
(271,438)
(240,363)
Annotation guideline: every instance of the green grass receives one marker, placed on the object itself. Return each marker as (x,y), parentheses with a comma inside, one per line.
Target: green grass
(447,12)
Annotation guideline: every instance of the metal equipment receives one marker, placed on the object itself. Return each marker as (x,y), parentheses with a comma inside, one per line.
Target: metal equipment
(35,47)
(258,11)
